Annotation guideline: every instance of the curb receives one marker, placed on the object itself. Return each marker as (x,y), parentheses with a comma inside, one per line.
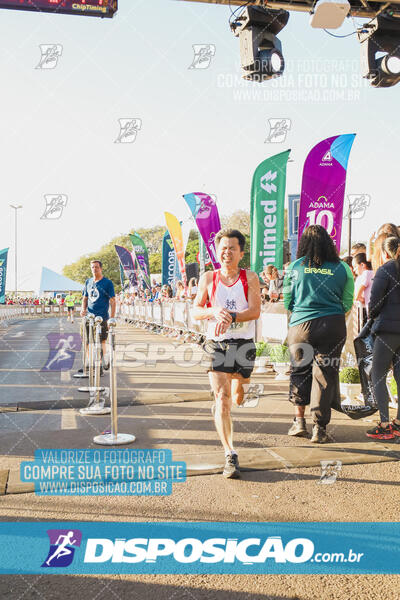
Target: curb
(137,399)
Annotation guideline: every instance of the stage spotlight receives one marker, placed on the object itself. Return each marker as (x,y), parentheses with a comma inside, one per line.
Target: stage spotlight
(260,50)
(381,35)
(390,65)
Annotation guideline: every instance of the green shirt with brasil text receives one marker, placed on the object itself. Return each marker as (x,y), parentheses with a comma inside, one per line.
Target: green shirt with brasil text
(317,291)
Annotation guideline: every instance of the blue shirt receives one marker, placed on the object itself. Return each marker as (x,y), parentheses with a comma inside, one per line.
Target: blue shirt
(98,294)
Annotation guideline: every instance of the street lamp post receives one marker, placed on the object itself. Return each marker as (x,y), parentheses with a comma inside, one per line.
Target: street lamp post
(15,246)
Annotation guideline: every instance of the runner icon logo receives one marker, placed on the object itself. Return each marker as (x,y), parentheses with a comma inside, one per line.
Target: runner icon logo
(330,469)
(63,543)
(358,204)
(55,204)
(50,53)
(203,53)
(62,351)
(128,129)
(278,129)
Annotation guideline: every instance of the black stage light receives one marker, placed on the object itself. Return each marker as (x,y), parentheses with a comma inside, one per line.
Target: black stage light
(260,50)
(381,35)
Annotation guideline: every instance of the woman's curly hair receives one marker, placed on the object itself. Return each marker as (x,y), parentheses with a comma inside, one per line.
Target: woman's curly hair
(317,247)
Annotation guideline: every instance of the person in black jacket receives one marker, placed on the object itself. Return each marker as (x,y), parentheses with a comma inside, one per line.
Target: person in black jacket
(384,310)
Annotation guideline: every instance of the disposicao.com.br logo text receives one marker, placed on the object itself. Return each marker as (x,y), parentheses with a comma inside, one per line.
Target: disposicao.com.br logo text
(213,550)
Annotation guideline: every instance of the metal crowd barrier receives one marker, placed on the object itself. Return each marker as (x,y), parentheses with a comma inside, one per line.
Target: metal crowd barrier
(32,311)
(175,319)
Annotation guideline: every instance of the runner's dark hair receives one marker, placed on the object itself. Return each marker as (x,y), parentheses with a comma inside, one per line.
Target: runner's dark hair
(98,261)
(231,233)
(316,247)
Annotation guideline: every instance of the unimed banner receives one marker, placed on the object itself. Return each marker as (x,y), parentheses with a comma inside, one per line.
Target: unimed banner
(3,274)
(267,212)
(168,260)
(209,224)
(323,185)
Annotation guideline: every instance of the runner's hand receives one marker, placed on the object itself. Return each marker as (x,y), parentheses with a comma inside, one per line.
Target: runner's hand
(83,312)
(221,328)
(222,315)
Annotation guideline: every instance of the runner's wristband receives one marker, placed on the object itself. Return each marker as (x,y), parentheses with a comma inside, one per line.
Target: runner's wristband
(233,315)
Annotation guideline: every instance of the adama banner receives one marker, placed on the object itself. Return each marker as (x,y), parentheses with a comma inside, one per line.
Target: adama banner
(175,231)
(267,212)
(3,274)
(323,185)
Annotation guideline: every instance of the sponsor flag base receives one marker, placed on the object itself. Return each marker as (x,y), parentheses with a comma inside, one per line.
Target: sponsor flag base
(80,376)
(109,439)
(91,389)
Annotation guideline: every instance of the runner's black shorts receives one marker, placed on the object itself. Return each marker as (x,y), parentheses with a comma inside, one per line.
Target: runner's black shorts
(103,333)
(70,308)
(231,356)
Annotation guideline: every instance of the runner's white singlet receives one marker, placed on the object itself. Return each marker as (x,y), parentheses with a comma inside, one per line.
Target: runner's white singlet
(235,299)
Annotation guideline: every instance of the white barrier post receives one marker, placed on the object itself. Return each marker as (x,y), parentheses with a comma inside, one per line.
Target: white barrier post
(114,438)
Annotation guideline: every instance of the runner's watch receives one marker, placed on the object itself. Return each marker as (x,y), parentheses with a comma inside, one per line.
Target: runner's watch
(233,315)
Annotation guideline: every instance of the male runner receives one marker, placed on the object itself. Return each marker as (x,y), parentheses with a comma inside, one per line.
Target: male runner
(230,299)
(70,304)
(98,297)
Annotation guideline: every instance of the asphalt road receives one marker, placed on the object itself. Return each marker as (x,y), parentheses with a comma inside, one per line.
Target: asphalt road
(362,492)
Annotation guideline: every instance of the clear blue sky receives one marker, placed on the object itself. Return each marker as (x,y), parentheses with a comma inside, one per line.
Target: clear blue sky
(202,130)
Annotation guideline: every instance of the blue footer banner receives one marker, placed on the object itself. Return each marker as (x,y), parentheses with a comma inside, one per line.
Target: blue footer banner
(199,548)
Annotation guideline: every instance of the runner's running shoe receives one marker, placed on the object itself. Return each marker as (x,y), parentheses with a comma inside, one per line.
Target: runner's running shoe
(395,428)
(231,469)
(381,433)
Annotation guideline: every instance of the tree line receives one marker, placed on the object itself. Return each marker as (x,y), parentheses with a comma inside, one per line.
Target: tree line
(153,236)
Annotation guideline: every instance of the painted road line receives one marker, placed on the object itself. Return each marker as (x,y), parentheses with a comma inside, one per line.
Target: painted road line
(282,460)
(68,419)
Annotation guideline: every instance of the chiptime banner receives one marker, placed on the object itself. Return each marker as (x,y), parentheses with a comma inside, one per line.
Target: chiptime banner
(323,185)
(3,274)
(267,212)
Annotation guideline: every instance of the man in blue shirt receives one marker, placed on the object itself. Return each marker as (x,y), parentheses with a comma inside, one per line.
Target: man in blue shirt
(98,298)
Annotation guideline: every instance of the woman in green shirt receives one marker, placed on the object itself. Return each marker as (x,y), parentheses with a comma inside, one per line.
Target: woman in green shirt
(318,291)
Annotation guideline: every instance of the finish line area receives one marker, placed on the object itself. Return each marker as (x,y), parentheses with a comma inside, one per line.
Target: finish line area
(168,406)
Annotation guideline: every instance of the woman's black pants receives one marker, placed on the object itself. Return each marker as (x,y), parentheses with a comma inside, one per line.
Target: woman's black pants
(315,347)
